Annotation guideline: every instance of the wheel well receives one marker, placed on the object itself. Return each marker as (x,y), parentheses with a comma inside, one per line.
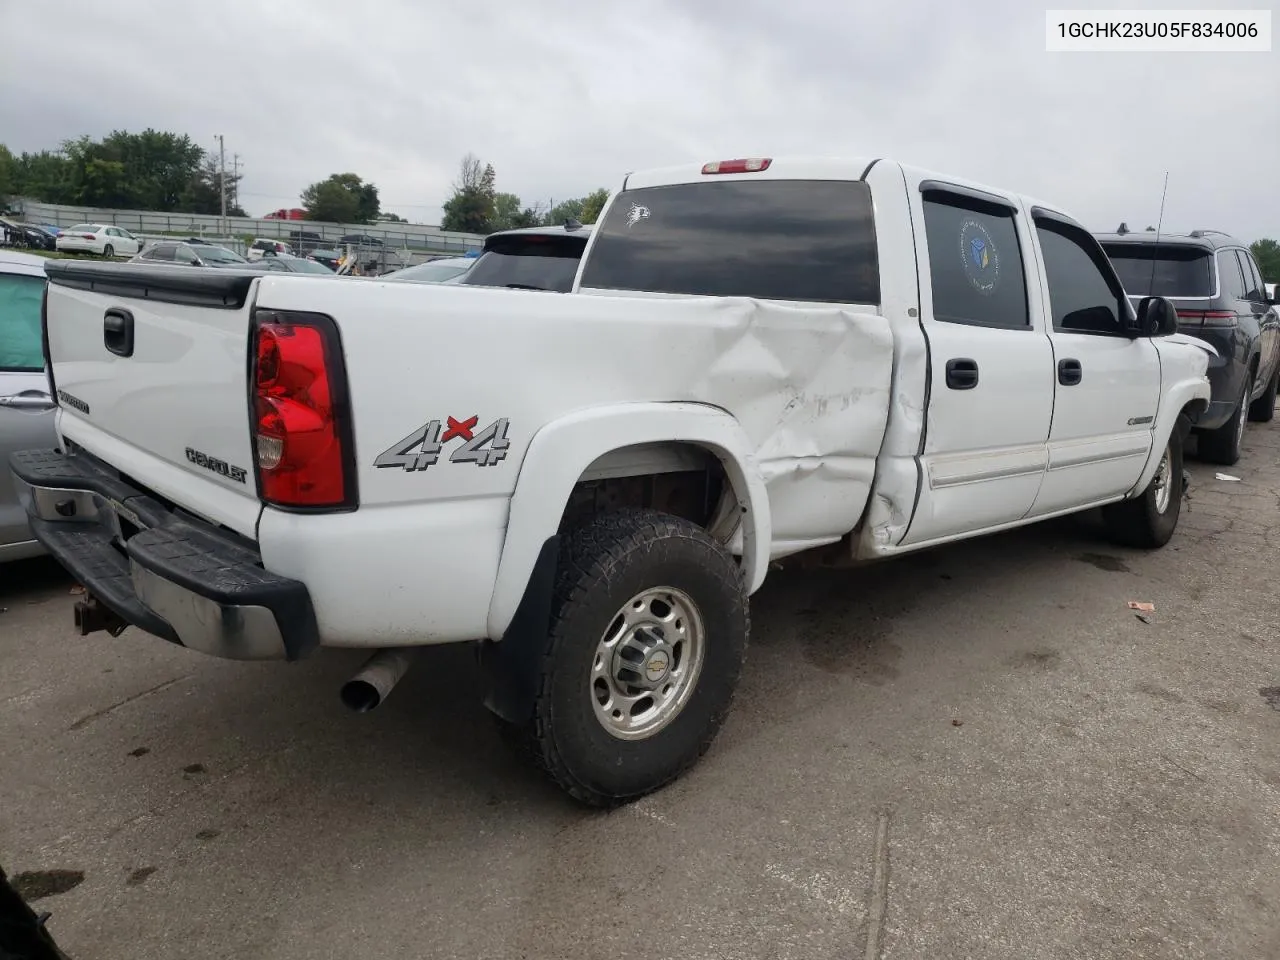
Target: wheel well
(682,479)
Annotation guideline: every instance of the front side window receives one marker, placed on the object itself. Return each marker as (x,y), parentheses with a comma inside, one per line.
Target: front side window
(805,240)
(161,251)
(1083,296)
(20,299)
(975,263)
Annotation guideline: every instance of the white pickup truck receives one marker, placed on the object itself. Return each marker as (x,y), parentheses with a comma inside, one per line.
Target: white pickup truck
(759,358)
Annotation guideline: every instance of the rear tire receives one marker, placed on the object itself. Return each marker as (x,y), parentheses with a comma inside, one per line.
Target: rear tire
(1264,408)
(647,609)
(1222,446)
(1148,520)
(108,251)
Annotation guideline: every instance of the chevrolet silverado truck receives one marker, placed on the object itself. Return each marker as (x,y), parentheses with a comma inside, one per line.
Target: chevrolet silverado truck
(761,358)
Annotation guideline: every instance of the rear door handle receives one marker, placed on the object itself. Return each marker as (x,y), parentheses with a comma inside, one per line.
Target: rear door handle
(962,373)
(30,400)
(117,331)
(1070,372)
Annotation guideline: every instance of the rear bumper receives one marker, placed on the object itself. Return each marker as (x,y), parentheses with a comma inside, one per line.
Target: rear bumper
(168,573)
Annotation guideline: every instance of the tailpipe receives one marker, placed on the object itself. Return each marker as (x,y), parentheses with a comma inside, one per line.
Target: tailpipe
(376,678)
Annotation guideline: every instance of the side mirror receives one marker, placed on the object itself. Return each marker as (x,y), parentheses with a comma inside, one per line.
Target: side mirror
(1157,317)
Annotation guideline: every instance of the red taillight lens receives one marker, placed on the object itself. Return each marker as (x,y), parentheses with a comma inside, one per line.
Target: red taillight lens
(1208,318)
(302,439)
(88,236)
(749,165)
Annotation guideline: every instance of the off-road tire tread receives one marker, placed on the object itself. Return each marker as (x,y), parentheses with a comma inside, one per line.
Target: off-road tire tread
(587,555)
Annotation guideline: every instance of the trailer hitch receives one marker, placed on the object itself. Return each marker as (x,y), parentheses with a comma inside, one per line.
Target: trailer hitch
(91,616)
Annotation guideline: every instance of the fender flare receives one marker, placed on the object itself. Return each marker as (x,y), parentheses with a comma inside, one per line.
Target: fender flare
(559,453)
(1179,394)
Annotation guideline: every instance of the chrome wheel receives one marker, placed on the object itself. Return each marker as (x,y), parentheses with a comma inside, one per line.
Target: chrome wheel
(1163,481)
(647,663)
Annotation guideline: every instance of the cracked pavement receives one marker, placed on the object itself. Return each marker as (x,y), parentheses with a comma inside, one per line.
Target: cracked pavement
(976,752)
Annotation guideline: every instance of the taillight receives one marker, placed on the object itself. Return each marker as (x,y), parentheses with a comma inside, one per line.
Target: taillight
(301,413)
(88,236)
(1209,318)
(751,165)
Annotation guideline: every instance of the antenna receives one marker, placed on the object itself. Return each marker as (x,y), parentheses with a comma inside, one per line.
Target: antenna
(1155,247)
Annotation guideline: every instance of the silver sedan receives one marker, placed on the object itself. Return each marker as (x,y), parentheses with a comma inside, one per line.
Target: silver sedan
(26,409)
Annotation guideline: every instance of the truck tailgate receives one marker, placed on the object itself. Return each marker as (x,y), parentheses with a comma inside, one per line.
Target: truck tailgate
(150,365)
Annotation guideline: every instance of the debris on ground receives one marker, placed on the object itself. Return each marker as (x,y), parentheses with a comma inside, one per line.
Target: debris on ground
(1226,476)
(1142,606)
(957,722)
(77,589)
(1143,617)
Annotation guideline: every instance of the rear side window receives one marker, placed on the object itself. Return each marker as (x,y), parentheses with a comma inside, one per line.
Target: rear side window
(20,298)
(1230,279)
(975,263)
(1176,270)
(808,240)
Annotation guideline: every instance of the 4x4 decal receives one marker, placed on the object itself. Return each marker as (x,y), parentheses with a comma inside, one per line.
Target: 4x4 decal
(422,448)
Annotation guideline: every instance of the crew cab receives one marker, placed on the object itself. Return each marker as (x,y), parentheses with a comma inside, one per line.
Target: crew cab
(758,359)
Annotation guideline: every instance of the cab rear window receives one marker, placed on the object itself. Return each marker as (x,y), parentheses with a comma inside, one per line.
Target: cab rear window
(809,240)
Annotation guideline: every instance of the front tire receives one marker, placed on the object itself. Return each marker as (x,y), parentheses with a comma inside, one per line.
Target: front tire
(647,638)
(1148,520)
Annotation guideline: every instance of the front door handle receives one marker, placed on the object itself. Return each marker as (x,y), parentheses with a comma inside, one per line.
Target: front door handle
(28,400)
(962,373)
(117,331)
(1070,372)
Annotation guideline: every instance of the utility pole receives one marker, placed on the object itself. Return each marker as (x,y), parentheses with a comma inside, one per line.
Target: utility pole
(222,180)
(235,180)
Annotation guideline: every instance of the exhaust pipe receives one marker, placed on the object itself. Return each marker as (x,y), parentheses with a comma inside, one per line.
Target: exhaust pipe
(373,683)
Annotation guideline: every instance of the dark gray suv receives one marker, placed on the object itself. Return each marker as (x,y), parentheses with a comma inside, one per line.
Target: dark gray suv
(1214,282)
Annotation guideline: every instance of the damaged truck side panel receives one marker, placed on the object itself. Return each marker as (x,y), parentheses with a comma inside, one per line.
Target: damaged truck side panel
(759,359)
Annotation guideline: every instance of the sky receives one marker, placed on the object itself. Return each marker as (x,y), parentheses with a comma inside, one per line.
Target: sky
(564,96)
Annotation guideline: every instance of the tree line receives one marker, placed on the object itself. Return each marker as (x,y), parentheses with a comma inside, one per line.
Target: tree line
(477,206)
(152,170)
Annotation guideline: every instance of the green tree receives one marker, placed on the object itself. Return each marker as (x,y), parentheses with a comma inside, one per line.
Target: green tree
(43,176)
(564,210)
(203,192)
(149,170)
(1267,252)
(473,206)
(592,205)
(342,198)
(8,174)
(392,218)
(510,213)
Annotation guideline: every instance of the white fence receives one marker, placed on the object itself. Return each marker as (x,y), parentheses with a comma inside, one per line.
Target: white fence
(414,237)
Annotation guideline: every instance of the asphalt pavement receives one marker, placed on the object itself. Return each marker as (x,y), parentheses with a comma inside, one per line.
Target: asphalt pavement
(976,752)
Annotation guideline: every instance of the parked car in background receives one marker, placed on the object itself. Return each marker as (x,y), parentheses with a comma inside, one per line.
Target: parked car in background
(531,258)
(360,240)
(26,409)
(99,238)
(288,263)
(191,252)
(440,270)
(304,241)
(260,248)
(39,238)
(1214,282)
(330,258)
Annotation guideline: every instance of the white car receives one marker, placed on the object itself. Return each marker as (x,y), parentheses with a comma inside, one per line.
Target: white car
(99,238)
(853,359)
(267,248)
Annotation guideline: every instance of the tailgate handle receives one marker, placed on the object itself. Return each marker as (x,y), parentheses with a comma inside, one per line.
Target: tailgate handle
(117,331)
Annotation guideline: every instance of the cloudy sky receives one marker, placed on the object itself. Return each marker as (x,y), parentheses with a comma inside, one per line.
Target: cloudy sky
(563,96)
